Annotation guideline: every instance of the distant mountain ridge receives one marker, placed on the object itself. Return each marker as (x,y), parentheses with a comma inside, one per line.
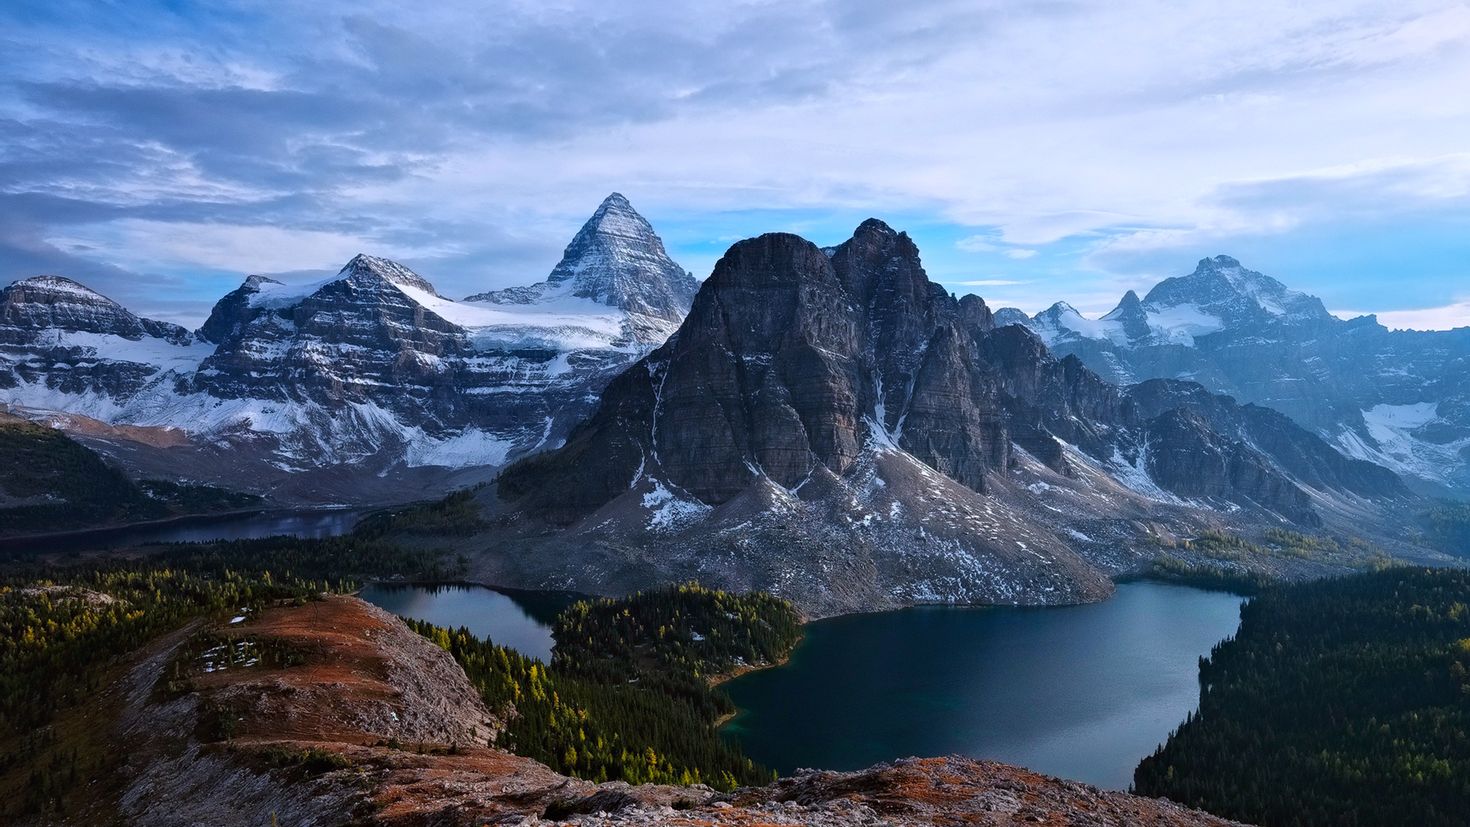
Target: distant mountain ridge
(371,372)
(1397,398)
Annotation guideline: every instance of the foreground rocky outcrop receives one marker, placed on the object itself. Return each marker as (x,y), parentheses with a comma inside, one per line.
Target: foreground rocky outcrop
(371,724)
(831,426)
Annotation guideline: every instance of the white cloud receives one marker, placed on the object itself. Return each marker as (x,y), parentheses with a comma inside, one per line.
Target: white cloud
(1147,138)
(977,244)
(1136,126)
(988,244)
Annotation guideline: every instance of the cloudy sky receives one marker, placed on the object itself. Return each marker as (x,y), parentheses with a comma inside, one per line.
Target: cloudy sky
(1036,150)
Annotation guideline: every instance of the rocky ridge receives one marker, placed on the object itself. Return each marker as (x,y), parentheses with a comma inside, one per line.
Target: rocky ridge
(1393,397)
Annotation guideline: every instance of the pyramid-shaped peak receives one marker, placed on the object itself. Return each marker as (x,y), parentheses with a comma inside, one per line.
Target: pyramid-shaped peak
(618,260)
(615,216)
(615,259)
(1129,308)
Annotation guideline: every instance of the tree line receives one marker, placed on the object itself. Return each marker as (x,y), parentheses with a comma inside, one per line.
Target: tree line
(1339,702)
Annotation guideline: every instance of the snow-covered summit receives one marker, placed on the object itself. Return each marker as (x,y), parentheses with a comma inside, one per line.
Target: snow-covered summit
(1222,287)
(363,272)
(616,260)
(1220,294)
(366,268)
(44,305)
(1396,398)
(60,289)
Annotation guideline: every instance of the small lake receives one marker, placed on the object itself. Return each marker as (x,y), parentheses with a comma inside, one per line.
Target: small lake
(519,620)
(310,524)
(1080,692)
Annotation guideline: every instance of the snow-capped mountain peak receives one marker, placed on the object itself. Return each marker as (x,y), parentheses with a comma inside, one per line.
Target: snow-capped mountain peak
(1062,320)
(615,260)
(59,289)
(1059,310)
(1221,294)
(1224,288)
(1131,317)
(618,260)
(614,217)
(364,267)
(1396,398)
(57,303)
(1131,305)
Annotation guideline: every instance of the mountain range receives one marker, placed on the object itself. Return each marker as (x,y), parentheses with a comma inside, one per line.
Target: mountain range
(824,423)
(1398,398)
(353,388)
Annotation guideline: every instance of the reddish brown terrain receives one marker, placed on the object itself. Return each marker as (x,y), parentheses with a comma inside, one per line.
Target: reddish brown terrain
(336,713)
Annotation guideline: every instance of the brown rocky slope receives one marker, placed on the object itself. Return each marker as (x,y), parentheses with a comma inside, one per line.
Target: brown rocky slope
(348,717)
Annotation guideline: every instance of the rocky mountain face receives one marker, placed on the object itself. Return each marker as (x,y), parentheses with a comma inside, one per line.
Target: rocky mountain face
(59,339)
(1397,398)
(832,426)
(349,388)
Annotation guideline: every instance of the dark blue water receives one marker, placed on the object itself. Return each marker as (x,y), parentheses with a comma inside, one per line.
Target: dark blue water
(520,620)
(311,524)
(1080,692)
